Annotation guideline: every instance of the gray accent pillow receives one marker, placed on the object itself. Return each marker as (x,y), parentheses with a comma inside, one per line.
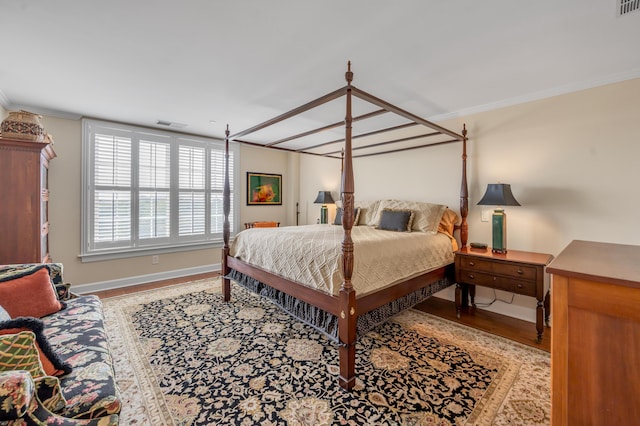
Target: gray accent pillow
(396,220)
(338,219)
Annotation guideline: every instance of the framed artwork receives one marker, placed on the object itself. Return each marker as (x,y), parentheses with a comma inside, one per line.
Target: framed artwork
(264,189)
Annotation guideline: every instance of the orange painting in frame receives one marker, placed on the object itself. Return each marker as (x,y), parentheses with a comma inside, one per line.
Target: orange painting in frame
(264,189)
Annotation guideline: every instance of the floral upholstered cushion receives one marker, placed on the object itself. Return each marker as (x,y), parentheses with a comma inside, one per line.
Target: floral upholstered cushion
(17,388)
(28,401)
(9,271)
(50,394)
(63,291)
(78,336)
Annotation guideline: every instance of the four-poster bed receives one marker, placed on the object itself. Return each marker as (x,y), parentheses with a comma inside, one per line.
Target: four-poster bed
(345,308)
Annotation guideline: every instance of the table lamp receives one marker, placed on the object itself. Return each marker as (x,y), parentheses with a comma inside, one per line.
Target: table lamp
(498,194)
(324,198)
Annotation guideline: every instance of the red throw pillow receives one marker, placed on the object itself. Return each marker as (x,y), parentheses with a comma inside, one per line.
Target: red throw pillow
(29,295)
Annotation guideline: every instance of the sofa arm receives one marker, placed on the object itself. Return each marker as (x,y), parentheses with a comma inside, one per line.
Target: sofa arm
(19,401)
(17,392)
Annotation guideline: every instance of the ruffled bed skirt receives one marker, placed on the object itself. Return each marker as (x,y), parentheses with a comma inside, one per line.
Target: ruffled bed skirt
(327,323)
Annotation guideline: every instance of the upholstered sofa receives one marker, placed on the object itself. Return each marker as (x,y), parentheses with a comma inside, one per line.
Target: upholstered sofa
(76,385)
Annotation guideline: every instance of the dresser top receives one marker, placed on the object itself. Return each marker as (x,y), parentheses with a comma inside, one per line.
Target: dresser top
(612,263)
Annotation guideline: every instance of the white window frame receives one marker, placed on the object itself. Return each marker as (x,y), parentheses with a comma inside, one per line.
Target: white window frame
(95,251)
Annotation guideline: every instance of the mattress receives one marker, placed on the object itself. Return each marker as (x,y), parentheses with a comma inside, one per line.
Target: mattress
(312,255)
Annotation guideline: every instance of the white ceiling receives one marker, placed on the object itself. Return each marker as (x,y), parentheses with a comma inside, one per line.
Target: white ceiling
(244,61)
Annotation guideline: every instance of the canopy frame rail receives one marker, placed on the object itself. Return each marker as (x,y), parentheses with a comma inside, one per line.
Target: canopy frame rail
(384,107)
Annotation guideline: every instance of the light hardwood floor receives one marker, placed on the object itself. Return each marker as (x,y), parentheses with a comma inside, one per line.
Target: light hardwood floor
(511,328)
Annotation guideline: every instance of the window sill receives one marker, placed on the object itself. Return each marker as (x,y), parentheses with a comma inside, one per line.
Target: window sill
(150,251)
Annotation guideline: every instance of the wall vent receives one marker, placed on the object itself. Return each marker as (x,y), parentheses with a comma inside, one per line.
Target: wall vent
(175,125)
(625,7)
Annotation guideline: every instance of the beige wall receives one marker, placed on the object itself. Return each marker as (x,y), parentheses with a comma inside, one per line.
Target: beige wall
(317,174)
(65,210)
(571,160)
(264,160)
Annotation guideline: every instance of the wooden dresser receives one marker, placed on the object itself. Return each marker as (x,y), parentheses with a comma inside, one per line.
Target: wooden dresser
(24,195)
(595,335)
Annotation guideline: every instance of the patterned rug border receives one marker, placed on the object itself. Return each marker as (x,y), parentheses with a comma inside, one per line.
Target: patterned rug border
(128,347)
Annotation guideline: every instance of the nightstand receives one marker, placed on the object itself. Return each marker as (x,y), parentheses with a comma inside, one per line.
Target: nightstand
(519,272)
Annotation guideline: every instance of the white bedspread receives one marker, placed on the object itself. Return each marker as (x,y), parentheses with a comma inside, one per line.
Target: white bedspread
(312,255)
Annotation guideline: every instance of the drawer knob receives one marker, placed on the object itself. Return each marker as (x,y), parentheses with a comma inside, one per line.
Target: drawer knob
(495,278)
(471,276)
(472,263)
(520,271)
(519,285)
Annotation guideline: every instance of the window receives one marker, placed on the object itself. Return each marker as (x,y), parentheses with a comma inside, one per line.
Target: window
(147,190)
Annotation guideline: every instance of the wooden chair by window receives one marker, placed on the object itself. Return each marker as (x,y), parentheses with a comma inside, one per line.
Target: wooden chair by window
(248,225)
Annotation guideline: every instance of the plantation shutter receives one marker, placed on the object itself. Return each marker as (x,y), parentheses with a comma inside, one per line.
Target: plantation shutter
(191,198)
(154,206)
(151,191)
(112,202)
(217,186)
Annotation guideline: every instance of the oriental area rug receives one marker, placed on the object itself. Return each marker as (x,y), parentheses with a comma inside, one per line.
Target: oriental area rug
(184,357)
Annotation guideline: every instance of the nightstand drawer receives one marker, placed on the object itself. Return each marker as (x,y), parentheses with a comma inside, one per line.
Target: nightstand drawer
(511,269)
(527,288)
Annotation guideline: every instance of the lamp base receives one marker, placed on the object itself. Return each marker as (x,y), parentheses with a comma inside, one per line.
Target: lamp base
(499,228)
(324,215)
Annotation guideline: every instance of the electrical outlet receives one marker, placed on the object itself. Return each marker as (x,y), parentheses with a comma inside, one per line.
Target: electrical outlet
(486,215)
(155,260)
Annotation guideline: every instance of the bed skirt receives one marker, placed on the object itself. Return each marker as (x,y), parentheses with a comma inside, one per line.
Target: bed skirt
(327,323)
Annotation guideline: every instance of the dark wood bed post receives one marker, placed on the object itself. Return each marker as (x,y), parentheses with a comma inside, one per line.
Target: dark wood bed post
(461,294)
(464,192)
(348,315)
(226,209)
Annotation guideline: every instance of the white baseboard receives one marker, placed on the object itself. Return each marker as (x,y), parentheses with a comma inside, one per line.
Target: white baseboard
(143,279)
(524,307)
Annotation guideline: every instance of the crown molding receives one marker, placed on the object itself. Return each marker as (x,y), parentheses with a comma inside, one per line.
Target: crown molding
(45,111)
(543,94)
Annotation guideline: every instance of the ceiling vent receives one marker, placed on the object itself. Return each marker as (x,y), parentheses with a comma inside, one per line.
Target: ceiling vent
(175,125)
(625,7)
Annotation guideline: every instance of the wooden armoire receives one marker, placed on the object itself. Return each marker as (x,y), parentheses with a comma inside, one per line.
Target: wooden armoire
(24,199)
